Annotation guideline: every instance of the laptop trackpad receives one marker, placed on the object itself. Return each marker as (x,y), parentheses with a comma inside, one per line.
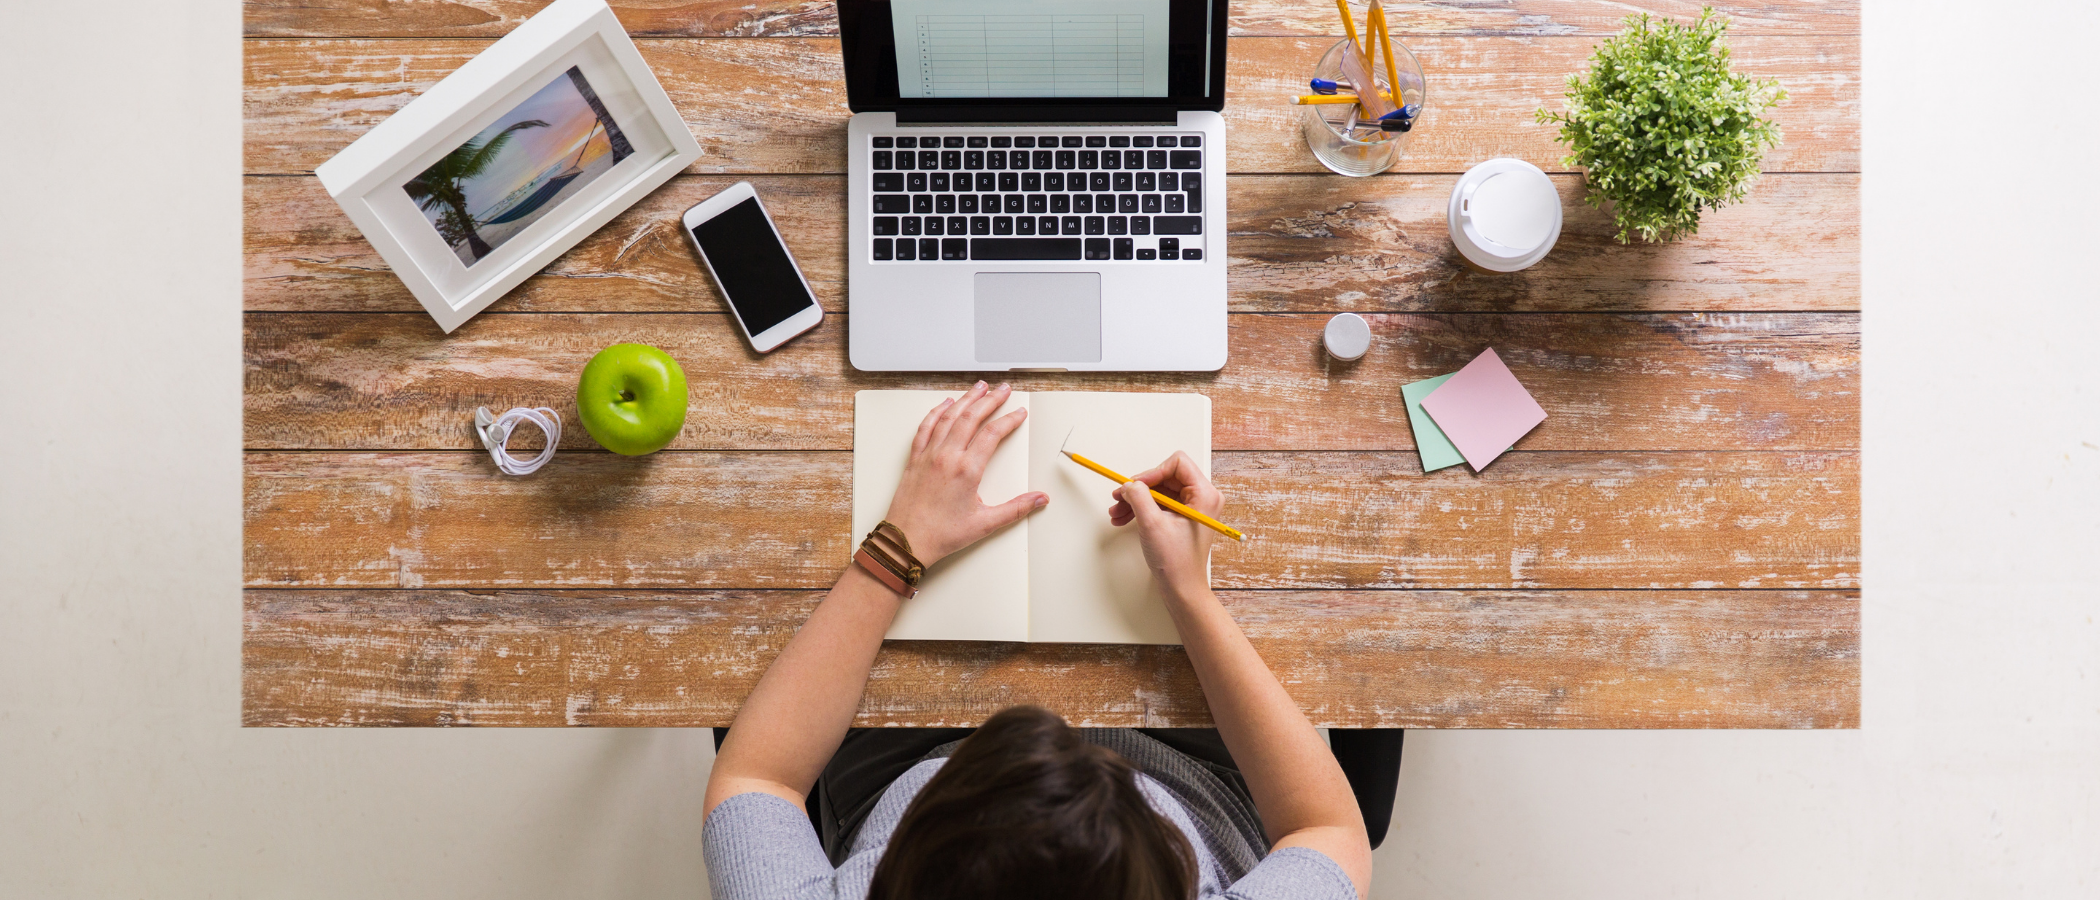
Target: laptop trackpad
(1038,317)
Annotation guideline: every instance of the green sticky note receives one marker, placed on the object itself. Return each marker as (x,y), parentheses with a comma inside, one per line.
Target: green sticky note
(1436,450)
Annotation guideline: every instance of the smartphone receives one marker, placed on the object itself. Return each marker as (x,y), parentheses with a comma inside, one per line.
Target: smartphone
(751,264)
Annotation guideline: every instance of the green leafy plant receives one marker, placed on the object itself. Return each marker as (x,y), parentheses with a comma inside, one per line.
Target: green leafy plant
(1663,128)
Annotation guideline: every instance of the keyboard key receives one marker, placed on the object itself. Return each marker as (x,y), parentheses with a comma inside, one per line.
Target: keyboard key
(889,182)
(911,225)
(1194,189)
(885,224)
(1118,225)
(955,142)
(1148,253)
(907,250)
(1150,203)
(1095,225)
(1155,159)
(1097,248)
(1083,203)
(1122,181)
(930,159)
(1046,224)
(1053,181)
(1105,203)
(1097,183)
(995,159)
(1168,140)
(1191,140)
(944,203)
(986,181)
(1002,141)
(921,204)
(972,159)
(882,249)
(1177,224)
(1046,141)
(1169,181)
(991,202)
(880,159)
(1069,224)
(883,143)
(1126,203)
(1042,159)
(968,204)
(905,159)
(977,140)
(1143,140)
(980,225)
(1097,140)
(939,180)
(958,224)
(1014,204)
(1024,225)
(1133,159)
(904,143)
(1067,159)
(1110,159)
(1002,224)
(952,159)
(1185,159)
(1024,141)
(1140,225)
(1017,248)
(1192,253)
(1169,248)
(1119,140)
(1017,159)
(935,225)
(1060,203)
(1038,204)
(1090,159)
(955,248)
(929,248)
(1147,181)
(1175,202)
(1031,181)
(1072,141)
(892,203)
(1124,247)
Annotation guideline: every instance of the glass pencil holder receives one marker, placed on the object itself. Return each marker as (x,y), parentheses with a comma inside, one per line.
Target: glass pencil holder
(1329,131)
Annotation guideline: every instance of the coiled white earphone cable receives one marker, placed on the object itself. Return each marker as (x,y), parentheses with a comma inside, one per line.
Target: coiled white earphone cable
(495,434)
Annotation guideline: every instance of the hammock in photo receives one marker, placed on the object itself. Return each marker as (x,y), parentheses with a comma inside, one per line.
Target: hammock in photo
(539,198)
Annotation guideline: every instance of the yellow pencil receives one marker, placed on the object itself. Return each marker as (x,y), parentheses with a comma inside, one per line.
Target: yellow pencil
(1163,499)
(1349,22)
(1325,99)
(1385,45)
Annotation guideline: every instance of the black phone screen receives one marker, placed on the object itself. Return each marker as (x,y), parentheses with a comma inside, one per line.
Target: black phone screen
(751,267)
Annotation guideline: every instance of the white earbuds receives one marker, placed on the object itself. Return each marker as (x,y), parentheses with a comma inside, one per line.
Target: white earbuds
(495,433)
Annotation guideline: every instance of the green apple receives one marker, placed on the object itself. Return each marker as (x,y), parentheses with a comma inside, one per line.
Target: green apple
(632,398)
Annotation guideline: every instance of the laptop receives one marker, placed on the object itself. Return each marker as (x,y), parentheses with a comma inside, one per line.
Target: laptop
(1035,185)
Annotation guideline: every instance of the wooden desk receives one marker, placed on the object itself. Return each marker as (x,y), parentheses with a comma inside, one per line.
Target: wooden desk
(1677,546)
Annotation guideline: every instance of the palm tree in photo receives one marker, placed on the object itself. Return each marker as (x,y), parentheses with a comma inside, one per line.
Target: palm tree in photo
(443,185)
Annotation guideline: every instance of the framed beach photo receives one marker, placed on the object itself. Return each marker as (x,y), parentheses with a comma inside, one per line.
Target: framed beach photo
(511,160)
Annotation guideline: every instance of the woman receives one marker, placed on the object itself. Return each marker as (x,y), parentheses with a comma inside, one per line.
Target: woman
(1026,806)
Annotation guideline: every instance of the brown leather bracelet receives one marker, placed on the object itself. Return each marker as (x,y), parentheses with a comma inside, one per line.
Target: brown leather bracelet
(886,554)
(882,573)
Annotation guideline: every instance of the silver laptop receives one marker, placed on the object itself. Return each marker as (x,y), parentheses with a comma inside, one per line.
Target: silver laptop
(1035,186)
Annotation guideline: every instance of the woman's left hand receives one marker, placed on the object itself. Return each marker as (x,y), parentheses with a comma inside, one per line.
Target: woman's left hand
(936,505)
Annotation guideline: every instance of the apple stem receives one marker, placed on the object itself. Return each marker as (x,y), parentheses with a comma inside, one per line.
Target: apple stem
(626,396)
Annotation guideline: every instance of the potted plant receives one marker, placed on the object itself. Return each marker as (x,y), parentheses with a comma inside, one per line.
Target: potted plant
(1663,128)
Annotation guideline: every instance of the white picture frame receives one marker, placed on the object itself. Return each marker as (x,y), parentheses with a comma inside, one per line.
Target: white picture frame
(482,181)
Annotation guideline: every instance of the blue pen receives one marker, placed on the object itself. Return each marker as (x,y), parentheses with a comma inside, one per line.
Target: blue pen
(1323,86)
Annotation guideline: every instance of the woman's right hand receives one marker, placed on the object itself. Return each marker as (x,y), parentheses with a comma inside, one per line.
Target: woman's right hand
(1176,547)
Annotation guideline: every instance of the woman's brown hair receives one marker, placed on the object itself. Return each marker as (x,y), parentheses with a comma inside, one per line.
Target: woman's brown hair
(1027,808)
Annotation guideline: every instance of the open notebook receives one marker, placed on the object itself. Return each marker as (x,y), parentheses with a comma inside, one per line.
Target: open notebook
(1064,574)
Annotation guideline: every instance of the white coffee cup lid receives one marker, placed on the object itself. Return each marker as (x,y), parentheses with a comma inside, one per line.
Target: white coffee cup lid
(1505,215)
(1348,336)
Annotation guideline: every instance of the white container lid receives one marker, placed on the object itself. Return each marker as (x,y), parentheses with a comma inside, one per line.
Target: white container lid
(1505,215)
(1348,336)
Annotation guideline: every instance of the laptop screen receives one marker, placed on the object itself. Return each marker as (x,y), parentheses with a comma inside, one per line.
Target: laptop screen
(964,55)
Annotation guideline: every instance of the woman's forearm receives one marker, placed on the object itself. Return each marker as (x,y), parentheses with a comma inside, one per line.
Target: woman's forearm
(795,718)
(1298,788)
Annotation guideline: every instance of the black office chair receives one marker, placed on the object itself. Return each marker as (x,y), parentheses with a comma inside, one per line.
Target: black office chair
(1370,759)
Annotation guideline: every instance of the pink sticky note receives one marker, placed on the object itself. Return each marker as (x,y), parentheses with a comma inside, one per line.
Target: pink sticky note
(1483,409)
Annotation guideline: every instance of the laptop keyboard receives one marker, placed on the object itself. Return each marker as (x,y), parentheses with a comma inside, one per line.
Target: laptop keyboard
(1136,197)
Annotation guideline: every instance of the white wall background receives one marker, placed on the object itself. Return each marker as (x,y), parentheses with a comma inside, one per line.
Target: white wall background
(123,771)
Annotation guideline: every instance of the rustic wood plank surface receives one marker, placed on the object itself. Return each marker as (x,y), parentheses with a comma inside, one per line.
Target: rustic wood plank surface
(1577,659)
(1297,244)
(778,106)
(783,18)
(1316,520)
(1736,381)
(1677,546)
